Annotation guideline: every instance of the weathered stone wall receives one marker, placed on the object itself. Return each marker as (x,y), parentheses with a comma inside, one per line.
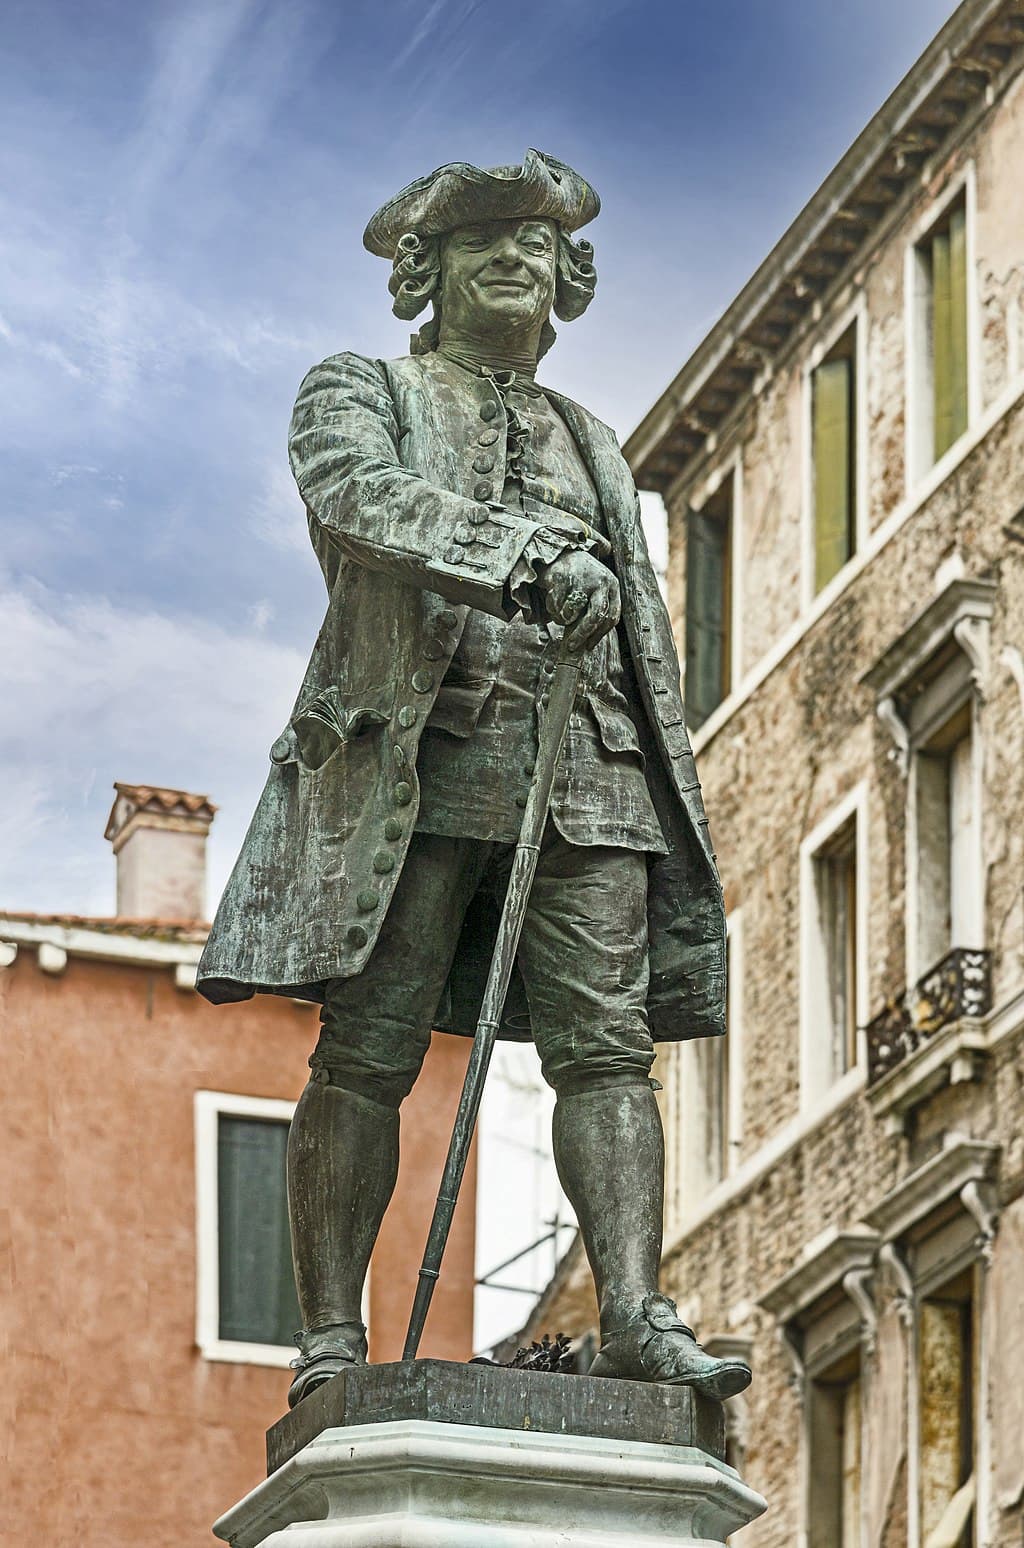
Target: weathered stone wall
(792,748)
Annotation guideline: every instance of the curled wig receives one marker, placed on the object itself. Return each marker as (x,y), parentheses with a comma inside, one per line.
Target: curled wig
(416,280)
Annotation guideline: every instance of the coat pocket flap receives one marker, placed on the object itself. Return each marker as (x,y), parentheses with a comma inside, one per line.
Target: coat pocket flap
(618,733)
(327,722)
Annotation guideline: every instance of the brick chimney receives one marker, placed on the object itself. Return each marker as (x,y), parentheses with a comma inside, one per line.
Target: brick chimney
(159,838)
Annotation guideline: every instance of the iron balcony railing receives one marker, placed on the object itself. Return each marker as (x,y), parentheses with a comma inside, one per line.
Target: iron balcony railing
(958,987)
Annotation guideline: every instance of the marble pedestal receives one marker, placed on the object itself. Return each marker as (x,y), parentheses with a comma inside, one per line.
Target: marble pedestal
(398,1465)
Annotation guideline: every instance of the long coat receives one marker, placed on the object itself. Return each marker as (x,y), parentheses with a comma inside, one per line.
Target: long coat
(408,540)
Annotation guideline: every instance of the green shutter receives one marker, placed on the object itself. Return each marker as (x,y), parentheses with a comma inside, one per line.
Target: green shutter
(258,1304)
(958,321)
(949,331)
(707,607)
(833,456)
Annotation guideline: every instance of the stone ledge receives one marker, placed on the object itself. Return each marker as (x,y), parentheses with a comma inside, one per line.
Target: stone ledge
(494,1397)
(428,1484)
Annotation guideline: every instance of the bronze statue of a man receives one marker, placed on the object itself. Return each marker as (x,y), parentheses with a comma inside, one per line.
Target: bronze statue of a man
(460,513)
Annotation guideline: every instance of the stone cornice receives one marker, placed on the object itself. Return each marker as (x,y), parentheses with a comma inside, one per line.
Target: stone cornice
(824,1268)
(954,73)
(962,1164)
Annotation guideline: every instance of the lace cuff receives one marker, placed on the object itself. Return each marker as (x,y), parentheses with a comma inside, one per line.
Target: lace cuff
(542,549)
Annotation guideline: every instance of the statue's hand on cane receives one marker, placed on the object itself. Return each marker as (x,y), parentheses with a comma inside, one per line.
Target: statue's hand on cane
(582,594)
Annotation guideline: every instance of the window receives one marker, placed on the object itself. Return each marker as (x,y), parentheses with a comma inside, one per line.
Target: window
(825,1311)
(937,1227)
(704,1111)
(832,927)
(946,1377)
(254,1257)
(247,1308)
(834,454)
(927,684)
(834,1474)
(709,542)
(940,345)
(947,841)
(835,873)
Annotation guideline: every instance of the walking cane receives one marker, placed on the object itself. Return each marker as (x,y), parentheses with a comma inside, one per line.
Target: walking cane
(564,682)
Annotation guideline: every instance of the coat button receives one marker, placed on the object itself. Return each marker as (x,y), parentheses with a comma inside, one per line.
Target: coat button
(549,665)
(392,829)
(479,515)
(464,534)
(407,716)
(403,792)
(488,408)
(528,768)
(520,801)
(383,862)
(447,619)
(433,650)
(487,438)
(423,680)
(455,555)
(483,490)
(356,936)
(367,900)
(281,750)
(483,464)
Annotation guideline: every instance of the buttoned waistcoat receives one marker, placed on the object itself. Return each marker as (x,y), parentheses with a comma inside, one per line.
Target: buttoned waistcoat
(409,538)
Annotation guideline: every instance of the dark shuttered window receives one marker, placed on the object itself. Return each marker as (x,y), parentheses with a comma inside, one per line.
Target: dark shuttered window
(834,450)
(708,605)
(257,1289)
(942,265)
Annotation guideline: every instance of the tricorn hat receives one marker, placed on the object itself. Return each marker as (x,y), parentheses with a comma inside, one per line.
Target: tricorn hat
(455,195)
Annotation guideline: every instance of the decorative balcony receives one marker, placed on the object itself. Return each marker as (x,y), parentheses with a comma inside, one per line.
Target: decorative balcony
(958,988)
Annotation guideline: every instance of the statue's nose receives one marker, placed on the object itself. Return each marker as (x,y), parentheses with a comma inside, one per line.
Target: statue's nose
(507,254)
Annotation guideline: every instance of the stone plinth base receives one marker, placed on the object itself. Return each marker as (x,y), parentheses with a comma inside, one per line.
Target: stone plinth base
(425,1484)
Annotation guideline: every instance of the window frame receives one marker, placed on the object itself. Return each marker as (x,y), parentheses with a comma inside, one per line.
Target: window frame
(855,316)
(816,1083)
(729,472)
(207,1108)
(691,1172)
(920,461)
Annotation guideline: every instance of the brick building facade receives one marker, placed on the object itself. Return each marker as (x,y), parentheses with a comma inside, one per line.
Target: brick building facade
(148,1301)
(842,464)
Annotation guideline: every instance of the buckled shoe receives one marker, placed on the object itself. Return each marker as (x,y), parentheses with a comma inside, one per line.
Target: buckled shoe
(657,1346)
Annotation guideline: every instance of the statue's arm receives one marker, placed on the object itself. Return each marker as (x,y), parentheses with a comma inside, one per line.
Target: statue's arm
(343,447)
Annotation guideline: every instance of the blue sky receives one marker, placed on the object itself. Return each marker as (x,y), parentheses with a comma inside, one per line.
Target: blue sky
(183,188)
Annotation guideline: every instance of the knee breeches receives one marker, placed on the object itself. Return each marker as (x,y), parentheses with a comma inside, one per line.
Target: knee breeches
(582,953)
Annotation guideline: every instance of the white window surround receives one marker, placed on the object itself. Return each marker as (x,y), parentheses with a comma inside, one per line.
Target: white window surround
(964,1172)
(876,542)
(814,1075)
(918,460)
(961,613)
(688,1140)
(730,470)
(734,1090)
(853,315)
(824,1310)
(208,1106)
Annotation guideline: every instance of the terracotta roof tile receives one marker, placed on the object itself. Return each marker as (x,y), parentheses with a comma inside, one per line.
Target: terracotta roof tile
(193,931)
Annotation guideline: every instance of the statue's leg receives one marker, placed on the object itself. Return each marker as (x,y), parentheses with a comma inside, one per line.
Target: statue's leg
(343,1143)
(584,956)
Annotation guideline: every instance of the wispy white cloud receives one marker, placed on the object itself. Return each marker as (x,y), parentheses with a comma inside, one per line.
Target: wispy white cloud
(93,692)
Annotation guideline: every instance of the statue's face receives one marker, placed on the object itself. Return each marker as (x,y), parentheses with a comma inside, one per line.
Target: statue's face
(498,275)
